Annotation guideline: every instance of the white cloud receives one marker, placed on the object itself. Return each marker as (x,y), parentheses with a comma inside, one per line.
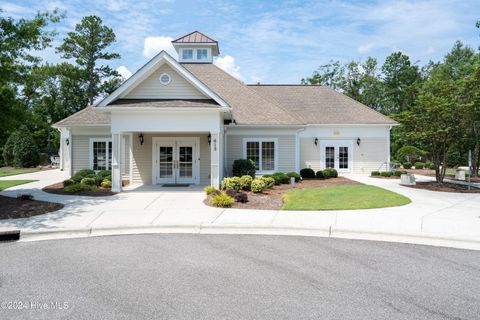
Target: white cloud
(15,10)
(228,64)
(124,72)
(153,45)
(115,5)
(365,48)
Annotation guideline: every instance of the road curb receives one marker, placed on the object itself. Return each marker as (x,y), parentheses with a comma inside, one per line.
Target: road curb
(422,239)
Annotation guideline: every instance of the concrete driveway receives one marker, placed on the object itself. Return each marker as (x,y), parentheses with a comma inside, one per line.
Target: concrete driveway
(450,219)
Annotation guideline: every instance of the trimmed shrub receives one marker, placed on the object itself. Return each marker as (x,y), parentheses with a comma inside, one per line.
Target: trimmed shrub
(80,187)
(398,173)
(84,173)
(222,200)
(320,175)
(231,183)
(210,190)
(282,177)
(241,197)
(68,182)
(330,173)
(407,165)
(106,184)
(430,165)
(386,174)
(242,167)
(409,153)
(269,182)
(294,175)
(419,165)
(375,173)
(307,173)
(20,149)
(105,174)
(258,185)
(89,181)
(245,182)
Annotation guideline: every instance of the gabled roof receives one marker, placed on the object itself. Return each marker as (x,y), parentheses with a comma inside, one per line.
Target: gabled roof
(247,105)
(148,69)
(313,104)
(85,117)
(195,37)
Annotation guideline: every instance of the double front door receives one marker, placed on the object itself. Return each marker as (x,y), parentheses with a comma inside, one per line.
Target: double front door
(336,155)
(176,160)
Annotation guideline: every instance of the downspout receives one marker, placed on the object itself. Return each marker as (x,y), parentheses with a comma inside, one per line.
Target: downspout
(297,149)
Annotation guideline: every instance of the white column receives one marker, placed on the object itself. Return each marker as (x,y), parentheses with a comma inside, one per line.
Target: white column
(116,172)
(215,160)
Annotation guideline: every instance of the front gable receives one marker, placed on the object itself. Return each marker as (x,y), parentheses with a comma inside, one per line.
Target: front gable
(146,84)
(176,88)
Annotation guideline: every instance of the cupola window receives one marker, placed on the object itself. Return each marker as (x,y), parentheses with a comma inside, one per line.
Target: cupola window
(187,54)
(202,54)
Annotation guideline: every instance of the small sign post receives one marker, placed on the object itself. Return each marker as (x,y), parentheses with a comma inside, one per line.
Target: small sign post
(469,169)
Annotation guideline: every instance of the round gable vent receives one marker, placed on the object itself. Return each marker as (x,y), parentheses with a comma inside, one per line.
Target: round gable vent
(165,79)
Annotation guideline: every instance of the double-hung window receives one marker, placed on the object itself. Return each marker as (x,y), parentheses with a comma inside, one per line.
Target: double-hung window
(187,54)
(262,151)
(202,54)
(100,154)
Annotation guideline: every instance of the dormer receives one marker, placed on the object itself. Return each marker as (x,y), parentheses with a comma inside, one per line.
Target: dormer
(196,47)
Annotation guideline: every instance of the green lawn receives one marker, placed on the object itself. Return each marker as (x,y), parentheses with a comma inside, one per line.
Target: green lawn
(4,184)
(13,171)
(342,198)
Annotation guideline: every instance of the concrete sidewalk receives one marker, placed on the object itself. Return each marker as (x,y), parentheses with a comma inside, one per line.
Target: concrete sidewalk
(436,218)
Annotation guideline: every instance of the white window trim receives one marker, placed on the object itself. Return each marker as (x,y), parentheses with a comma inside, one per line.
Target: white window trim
(90,151)
(184,59)
(194,54)
(169,79)
(260,140)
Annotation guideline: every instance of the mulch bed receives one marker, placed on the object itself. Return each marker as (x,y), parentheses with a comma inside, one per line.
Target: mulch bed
(431,173)
(444,187)
(13,208)
(57,188)
(272,199)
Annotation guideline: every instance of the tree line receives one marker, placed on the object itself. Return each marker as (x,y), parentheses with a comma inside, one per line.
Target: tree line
(34,94)
(437,104)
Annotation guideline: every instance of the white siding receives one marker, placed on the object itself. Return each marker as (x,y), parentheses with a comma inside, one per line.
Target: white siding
(286,150)
(367,157)
(142,157)
(80,150)
(178,88)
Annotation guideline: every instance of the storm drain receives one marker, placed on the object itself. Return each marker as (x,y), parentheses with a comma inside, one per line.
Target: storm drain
(9,235)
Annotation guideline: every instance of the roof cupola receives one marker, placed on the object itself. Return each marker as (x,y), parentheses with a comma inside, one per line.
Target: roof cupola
(196,47)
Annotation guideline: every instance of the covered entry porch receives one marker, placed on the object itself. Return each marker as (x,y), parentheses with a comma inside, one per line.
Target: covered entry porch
(165,148)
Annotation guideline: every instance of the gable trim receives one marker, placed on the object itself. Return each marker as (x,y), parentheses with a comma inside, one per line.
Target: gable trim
(144,71)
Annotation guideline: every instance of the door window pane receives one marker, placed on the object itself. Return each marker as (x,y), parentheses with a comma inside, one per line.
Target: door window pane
(268,155)
(329,157)
(166,162)
(343,157)
(253,153)
(185,162)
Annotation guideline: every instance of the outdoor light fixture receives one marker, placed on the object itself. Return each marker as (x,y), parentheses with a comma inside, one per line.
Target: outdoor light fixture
(140,137)
(316,141)
(67,141)
(358,141)
(209,139)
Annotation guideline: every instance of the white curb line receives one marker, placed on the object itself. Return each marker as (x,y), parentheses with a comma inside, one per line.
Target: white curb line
(422,239)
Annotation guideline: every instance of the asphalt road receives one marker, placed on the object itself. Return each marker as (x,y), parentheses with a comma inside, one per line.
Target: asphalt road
(236,277)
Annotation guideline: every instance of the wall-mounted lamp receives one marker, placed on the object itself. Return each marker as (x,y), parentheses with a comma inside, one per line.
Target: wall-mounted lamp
(209,139)
(316,141)
(358,141)
(141,139)
(67,141)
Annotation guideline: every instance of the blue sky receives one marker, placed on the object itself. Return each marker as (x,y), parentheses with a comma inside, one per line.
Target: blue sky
(273,41)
